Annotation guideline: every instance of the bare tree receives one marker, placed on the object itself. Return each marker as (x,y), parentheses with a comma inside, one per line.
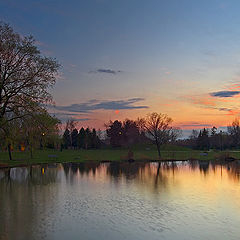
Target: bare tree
(25,75)
(158,127)
(71,125)
(234,132)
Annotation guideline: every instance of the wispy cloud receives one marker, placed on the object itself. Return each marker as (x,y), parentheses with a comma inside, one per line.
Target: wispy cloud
(222,101)
(64,116)
(108,71)
(224,94)
(94,104)
(201,100)
(224,109)
(194,125)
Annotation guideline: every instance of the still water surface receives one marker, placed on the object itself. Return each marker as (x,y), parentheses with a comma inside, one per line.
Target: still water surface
(121,201)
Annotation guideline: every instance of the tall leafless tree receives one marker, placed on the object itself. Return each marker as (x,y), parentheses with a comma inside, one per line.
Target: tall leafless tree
(158,127)
(234,132)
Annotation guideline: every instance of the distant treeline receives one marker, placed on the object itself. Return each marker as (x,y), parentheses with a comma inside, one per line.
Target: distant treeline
(118,134)
(206,139)
(82,139)
(126,133)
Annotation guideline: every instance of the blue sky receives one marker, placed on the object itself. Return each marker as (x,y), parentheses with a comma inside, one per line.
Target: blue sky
(169,55)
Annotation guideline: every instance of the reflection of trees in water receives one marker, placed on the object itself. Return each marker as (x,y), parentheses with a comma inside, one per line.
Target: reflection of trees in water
(66,168)
(35,175)
(43,174)
(233,170)
(142,173)
(72,169)
(203,166)
(160,179)
(114,171)
(152,175)
(193,164)
(170,166)
(20,197)
(213,166)
(165,170)
(12,199)
(124,169)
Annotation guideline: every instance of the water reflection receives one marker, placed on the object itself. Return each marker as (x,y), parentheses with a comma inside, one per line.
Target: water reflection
(142,172)
(20,198)
(37,202)
(204,166)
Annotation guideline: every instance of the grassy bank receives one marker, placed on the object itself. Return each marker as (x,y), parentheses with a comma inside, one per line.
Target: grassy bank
(141,153)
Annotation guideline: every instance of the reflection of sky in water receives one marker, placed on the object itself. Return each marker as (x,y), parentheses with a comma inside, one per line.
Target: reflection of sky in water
(120,201)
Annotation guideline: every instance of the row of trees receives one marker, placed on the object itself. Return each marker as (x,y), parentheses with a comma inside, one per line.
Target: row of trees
(155,128)
(124,133)
(206,139)
(82,139)
(30,132)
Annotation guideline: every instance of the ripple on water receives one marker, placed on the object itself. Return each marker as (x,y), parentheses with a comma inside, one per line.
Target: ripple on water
(121,207)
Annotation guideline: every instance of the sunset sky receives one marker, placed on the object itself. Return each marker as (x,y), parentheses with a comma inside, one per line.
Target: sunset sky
(124,59)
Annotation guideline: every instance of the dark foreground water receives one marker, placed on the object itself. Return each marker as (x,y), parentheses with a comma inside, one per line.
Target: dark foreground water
(121,201)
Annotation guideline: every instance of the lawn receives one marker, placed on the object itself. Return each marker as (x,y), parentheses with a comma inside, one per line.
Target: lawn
(141,153)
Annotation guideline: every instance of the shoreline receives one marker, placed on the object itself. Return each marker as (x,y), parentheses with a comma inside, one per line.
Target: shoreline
(5,166)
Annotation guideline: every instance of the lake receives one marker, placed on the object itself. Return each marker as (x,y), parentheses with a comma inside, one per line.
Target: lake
(171,200)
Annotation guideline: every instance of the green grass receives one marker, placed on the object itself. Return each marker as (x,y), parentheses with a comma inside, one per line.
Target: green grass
(141,153)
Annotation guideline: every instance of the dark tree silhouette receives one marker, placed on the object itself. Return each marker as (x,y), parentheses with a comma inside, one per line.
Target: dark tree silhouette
(131,132)
(66,139)
(81,138)
(25,75)
(234,132)
(87,140)
(203,140)
(158,127)
(115,133)
(95,141)
(74,137)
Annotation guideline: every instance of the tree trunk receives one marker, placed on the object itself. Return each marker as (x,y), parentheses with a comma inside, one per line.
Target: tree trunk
(31,152)
(158,169)
(30,172)
(157,176)
(9,151)
(158,148)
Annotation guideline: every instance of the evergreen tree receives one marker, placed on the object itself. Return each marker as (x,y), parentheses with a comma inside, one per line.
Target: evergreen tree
(94,138)
(67,138)
(234,131)
(74,137)
(199,140)
(81,138)
(203,140)
(214,138)
(114,132)
(131,132)
(87,140)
